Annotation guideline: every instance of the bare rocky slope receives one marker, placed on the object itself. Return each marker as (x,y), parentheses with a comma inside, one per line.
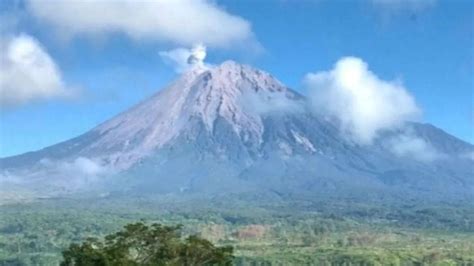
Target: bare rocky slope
(233,129)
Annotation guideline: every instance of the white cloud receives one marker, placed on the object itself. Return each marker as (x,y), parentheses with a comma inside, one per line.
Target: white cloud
(27,72)
(85,166)
(181,59)
(198,54)
(182,22)
(363,103)
(407,145)
(79,167)
(54,177)
(78,173)
(264,103)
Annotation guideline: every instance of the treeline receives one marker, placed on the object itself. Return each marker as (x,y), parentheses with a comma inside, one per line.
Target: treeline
(37,234)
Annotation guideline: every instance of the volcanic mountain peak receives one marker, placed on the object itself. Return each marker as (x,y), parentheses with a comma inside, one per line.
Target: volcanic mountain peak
(239,94)
(232,126)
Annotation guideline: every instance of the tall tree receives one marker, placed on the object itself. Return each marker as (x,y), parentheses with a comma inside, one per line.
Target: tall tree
(140,244)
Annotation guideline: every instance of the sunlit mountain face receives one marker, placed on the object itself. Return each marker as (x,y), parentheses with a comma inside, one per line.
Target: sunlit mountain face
(236,129)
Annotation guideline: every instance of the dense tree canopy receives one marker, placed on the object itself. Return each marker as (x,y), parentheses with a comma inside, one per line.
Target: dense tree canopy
(140,244)
(283,233)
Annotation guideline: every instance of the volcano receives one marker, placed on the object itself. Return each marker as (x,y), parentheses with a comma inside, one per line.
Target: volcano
(236,129)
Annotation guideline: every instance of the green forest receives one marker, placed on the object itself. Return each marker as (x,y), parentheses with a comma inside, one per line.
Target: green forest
(268,233)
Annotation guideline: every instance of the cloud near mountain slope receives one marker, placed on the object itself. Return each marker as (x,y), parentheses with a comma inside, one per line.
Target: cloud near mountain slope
(364,104)
(182,59)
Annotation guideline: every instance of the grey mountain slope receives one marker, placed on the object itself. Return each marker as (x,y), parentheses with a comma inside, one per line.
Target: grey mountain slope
(234,128)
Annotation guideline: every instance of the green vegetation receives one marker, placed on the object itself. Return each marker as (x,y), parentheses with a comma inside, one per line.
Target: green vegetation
(139,244)
(267,233)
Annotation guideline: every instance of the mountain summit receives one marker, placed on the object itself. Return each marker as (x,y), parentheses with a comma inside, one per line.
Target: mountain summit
(199,98)
(234,128)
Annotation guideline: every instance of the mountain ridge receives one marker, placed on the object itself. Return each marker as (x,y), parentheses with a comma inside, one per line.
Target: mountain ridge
(236,128)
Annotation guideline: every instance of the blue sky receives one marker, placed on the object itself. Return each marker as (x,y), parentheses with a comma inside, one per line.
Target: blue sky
(428,46)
